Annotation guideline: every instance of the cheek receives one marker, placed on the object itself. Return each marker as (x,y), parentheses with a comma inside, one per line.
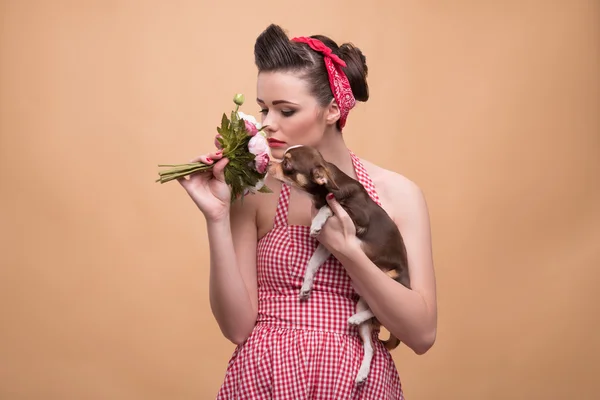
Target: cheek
(305,128)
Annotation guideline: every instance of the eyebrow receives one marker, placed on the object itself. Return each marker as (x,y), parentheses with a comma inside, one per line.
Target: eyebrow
(275,102)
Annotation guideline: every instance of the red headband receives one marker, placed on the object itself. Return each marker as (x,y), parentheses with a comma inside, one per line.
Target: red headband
(340,86)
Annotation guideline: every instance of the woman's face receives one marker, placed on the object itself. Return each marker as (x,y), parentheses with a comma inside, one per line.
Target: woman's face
(292,114)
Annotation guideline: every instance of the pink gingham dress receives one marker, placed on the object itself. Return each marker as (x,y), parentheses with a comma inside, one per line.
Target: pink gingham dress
(305,349)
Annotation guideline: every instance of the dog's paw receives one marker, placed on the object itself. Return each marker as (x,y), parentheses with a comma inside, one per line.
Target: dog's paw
(319,220)
(304,292)
(363,373)
(355,320)
(315,227)
(315,230)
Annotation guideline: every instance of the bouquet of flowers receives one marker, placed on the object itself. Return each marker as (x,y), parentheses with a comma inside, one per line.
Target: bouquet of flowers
(243,142)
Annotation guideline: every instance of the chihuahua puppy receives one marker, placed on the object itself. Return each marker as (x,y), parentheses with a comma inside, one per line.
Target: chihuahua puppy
(304,168)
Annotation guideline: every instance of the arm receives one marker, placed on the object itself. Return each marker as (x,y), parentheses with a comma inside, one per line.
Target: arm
(410,315)
(233,287)
(232,242)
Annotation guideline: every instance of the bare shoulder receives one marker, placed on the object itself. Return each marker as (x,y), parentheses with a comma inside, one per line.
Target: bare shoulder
(400,196)
(244,210)
(260,207)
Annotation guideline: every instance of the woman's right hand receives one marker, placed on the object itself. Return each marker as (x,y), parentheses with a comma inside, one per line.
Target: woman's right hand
(208,188)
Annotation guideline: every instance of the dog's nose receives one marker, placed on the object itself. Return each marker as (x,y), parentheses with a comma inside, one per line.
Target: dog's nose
(272,166)
(273,161)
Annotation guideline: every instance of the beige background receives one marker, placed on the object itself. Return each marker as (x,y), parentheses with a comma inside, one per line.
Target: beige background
(493,108)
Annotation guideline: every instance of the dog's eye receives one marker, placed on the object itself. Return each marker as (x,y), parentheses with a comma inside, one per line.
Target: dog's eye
(286,165)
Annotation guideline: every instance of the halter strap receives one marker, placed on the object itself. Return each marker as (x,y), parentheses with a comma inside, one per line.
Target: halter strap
(283,204)
(364,178)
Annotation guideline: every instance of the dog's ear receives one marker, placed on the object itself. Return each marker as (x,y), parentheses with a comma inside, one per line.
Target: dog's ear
(322,176)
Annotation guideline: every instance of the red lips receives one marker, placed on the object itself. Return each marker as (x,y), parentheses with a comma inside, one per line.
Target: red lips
(275,143)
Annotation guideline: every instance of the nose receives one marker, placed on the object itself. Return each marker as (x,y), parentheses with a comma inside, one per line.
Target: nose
(269,123)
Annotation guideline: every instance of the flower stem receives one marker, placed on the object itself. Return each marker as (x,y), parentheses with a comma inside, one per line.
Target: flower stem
(180,170)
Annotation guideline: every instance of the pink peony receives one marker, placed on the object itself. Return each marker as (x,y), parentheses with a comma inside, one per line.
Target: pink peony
(261,162)
(252,125)
(251,128)
(258,145)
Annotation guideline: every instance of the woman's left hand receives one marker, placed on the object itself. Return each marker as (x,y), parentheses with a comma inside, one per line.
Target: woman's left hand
(338,234)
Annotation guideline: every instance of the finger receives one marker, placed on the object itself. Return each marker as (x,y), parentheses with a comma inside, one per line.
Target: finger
(208,158)
(343,217)
(216,155)
(339,211)
(219,169)
(183,181)
(204,158)
(335,206)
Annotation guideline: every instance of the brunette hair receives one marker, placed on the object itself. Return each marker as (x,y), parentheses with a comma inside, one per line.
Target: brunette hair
(274,51)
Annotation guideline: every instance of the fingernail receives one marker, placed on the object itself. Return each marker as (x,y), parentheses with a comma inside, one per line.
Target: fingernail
(330,196)
(208,159)
(219,152)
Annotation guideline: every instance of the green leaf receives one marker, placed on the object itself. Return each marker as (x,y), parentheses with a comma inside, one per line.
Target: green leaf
(224,123)
(239,172)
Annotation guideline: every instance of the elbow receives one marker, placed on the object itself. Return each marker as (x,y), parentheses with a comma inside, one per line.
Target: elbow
(424,342)
(238,336)
(239,333)
(422,348)
(237,339)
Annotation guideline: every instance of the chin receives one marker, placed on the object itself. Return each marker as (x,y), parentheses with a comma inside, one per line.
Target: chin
(277,153)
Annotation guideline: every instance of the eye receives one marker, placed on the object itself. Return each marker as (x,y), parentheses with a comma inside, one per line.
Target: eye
(286,165)
(263,111)
(288,113)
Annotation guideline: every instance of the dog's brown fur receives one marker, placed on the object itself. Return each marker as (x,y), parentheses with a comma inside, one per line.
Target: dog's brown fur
(305,168)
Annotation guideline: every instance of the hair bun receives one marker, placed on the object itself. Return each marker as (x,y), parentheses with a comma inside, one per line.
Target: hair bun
(274,51)
(356,70)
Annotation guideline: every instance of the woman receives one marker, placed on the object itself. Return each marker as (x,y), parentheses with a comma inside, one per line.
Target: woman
(287,348)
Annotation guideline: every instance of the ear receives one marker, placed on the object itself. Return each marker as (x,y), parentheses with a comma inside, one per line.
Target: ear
(321,176)
(332,113)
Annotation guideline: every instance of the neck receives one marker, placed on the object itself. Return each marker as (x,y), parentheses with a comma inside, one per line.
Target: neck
(334,150)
